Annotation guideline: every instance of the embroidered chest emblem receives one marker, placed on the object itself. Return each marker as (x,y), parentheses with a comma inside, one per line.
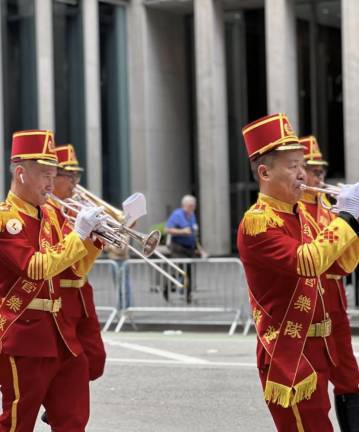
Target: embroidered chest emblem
(329,235)
(13,226)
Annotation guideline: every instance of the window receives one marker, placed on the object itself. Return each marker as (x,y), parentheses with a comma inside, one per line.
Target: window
(19,66)
(114,103)
(320,78)
(69,76)
(246,95)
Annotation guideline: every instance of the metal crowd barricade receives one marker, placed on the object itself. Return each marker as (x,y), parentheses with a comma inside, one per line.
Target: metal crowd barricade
(105,277)
(218,287)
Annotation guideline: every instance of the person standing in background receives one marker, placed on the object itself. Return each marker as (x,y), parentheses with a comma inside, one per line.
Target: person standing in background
(183,228)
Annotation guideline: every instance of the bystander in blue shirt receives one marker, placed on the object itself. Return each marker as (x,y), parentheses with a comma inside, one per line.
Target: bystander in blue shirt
(180,219)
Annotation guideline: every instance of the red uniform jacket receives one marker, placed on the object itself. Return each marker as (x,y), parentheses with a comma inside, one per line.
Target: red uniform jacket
(276,260)
(35,333)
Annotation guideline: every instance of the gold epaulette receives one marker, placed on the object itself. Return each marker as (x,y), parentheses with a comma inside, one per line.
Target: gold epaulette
(8,212)
(258,218)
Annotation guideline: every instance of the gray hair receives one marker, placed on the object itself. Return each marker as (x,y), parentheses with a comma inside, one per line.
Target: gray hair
(24,163)
(188,199)
(266,159)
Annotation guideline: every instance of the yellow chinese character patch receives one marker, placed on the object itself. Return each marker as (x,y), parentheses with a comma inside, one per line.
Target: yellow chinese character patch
(293,329)
(303,303)
(14,303)
(270,334)
(2,322)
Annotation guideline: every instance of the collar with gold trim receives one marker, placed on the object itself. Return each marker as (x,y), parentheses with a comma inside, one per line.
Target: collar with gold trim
(276,204)
(309,197)
(22,206)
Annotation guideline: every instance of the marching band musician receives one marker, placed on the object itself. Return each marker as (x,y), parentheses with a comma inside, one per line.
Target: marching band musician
(41,360)
(76,292)
(345,375)
(283,256)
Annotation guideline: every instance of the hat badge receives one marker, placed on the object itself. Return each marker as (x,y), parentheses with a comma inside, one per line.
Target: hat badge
(288,129)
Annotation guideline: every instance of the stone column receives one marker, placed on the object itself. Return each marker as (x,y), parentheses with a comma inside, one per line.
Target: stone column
(281,57)
(159,130)
(45,64)
(350,50)
(212,126)
(92,95)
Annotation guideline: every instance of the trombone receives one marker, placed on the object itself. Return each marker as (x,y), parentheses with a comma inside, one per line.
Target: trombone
(113,232)
(87,197)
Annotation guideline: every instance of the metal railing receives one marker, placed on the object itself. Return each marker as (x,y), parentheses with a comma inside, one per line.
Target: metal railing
(105,278)
(216,293)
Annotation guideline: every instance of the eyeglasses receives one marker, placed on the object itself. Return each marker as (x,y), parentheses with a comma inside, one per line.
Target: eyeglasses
(74,176)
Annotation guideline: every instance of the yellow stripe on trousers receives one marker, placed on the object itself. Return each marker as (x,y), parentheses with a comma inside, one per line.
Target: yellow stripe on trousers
(15,380)
(298,418)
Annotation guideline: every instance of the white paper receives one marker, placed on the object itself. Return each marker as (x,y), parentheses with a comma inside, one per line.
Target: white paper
(134,207)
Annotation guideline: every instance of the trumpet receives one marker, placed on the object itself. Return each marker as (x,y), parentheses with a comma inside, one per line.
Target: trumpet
(87,197)
(115,233)
(326,189)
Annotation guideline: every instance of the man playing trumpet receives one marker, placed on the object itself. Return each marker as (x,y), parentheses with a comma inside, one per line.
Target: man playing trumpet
(345,374)
(284,257)
(41,359)
(76,291)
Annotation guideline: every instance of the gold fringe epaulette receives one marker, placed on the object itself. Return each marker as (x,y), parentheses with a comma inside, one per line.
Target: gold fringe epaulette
(7,212)
(258,218)
(287,396)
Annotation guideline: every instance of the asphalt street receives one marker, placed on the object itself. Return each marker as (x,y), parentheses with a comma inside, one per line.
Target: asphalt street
(179,382)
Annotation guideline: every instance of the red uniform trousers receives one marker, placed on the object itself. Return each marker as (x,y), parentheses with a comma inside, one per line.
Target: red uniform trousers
(345,376)
(309,415)
(89,335)
(79,310)
(59,383)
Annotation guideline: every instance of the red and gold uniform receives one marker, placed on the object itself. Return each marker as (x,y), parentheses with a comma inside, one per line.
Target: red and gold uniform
(76,291)
(284,257)
(345,375)
(41,360)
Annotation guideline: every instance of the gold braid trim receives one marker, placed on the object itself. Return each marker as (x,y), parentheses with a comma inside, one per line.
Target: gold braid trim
(289,396)
(258,218)
(7,212)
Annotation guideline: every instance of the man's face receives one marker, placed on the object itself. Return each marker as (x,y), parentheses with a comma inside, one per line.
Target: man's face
(315,175)
(282,179)
(65,183)
(189,206)
(38,181)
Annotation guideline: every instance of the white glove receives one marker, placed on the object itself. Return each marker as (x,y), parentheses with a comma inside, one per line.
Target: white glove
(348,199)
(88,220)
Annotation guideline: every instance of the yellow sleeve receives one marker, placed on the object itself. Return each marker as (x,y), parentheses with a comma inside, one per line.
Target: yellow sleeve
(45,265)
(82,267)
(349,260)
(336,242)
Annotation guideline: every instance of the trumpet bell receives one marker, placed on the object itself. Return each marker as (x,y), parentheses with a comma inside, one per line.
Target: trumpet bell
(150,242)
